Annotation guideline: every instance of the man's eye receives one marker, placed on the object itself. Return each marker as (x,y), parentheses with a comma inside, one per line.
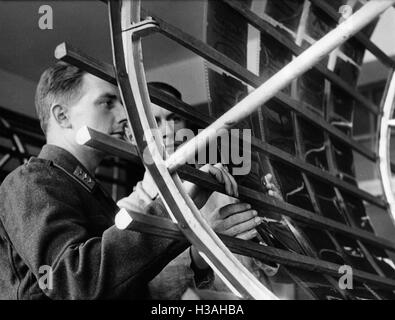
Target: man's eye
(176,119)
(107,103)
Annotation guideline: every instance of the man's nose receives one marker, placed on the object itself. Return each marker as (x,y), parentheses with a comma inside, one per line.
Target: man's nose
(120,115)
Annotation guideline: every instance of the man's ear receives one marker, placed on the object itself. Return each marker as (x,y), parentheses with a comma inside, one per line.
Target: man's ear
(61,115)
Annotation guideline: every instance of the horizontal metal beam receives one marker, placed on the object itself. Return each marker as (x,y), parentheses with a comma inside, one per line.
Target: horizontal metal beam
(317,173)
(106,72)
(109,144)
(234,68)
(75,57)
(126,151)
(166,228)
(99,69)
(280,80)
(222,61)
(200,47)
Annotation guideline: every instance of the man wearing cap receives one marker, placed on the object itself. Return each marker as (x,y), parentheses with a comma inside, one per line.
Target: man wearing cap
(227,214)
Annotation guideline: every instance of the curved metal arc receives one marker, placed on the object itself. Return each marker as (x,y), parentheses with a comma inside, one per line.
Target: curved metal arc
(384,145)
(131,80)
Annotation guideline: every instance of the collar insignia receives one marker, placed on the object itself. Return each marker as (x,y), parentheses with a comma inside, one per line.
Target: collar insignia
(84,177)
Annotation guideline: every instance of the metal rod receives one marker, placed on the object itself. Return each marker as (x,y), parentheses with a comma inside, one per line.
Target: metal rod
(135,96)
(297,49)
(106,72)
(384,146)
(360,36)
(280,80)
(126,151)
(165,228)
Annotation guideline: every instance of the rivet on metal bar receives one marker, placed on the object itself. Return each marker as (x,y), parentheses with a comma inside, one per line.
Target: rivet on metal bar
(143,28)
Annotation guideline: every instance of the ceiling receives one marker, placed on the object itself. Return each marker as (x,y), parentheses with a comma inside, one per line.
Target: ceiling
(26,50)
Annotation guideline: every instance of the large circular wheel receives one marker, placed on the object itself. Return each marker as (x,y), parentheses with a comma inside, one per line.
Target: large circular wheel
(131,79)
(387,123)
(319,152)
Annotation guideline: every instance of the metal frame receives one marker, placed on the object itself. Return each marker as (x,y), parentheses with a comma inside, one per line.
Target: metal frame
(386,124)
(125,151)
(74,56)
(131,80)
(268,90)
(142,122)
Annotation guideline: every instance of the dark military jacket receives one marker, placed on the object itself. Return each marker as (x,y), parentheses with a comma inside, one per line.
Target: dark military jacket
(58,239)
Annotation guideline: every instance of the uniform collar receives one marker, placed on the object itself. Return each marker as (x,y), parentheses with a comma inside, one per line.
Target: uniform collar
(64,159)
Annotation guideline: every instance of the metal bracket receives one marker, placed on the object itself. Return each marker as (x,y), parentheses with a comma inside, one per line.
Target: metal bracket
(143,28)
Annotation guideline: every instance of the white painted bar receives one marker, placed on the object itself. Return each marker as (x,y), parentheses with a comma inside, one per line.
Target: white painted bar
(384,147)
(280,80)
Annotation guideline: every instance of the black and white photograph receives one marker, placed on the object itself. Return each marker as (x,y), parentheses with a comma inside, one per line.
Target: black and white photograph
(197,154)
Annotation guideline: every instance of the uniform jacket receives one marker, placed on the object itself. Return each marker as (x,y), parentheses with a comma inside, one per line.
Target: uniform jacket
(57,223)
(181,273)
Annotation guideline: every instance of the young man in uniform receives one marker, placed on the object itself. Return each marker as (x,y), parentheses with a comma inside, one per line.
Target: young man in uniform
(57,233)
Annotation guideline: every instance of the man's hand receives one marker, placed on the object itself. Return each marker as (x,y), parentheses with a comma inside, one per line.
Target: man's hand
(146,190)
(235,220)
(143,194)
(272,189)
(200,195)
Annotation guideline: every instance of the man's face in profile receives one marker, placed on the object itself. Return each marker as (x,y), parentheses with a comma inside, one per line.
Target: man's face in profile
(99,108)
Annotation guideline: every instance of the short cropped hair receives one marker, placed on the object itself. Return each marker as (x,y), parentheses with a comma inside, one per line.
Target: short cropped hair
(61,83)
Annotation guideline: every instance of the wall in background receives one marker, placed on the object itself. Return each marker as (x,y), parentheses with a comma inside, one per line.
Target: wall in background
(383,35)
(17,93)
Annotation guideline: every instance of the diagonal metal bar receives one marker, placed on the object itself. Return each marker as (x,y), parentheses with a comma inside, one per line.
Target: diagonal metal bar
(316,172)
(376,51)
(166,228)
(203,120)
(128,152)
(135,96)
(280,80)
(267,28)
(368,44)
(106,72)
(74,56)
(4,160)
(384,143)
(221,60)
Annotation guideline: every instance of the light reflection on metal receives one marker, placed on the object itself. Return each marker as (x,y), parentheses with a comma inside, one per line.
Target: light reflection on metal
(280,80)
(386,123)
(133,86)
(170,186)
